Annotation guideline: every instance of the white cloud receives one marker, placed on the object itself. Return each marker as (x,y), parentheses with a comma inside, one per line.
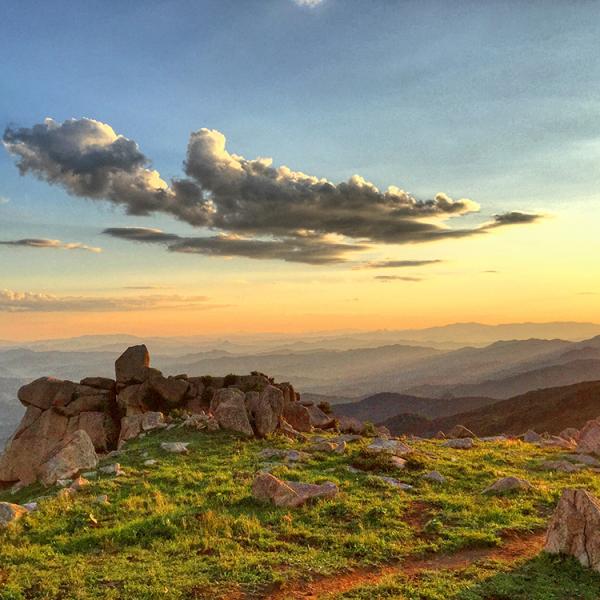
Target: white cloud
(51,244)
(4,200)
(310,3)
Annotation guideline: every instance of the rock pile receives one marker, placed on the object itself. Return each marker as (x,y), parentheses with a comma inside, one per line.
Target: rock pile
(67,423)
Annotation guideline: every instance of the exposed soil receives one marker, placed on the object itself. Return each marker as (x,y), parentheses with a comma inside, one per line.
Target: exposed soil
(515,547)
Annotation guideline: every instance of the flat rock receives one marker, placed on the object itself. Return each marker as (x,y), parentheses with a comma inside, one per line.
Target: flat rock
(575,528)
(9,513)
(395,483)
(175,447)
(507,484)
(395,447)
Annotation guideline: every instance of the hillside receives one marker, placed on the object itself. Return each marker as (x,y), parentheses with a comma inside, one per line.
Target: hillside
(549,410)
(380,407)
(187,526)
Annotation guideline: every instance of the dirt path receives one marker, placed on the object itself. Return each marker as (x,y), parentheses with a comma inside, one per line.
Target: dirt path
(514,547)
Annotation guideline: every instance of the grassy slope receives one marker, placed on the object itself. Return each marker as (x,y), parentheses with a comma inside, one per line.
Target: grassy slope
(189,528)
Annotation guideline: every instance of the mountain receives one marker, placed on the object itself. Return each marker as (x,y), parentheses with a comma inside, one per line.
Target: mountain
(507,387)
(550,409)
(380,407)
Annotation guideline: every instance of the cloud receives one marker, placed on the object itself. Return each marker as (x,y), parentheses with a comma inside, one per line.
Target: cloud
(393,264)
(19,302)
(387,278)
(309,3)
(308,248)
(273,212)
(52,244)
(4,200)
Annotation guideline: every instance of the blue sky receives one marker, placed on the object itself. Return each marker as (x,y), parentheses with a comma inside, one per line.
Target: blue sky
(494,101)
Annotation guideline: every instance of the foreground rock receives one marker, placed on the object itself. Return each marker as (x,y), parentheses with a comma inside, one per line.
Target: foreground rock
(507,484)
(268,488)
(9,513)
(74,454)
(575,528)
(459,443)
(395,447)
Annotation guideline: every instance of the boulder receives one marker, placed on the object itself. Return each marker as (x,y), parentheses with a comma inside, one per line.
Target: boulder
(136,399)
(569,433)
(131,427)
(101,383)
(171,390)
(460,432)
(75,453)
(229,409)
(395,447)
(584,459)
(575,528)
(297,416)
(265,409)
(507,484)
(9,513)
(531,437)
(589,438)
(319,419)
(350,424)
(459,444)
(132,365)
(46,391)
(99,426)
(268,488)
(27,450)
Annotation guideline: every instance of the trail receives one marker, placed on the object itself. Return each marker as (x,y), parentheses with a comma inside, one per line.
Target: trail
(514,547)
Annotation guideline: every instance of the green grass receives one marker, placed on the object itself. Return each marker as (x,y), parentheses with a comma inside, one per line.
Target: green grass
(189,527)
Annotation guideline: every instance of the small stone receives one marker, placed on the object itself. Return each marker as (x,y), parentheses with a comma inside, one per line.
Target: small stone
(531,437)
(507,484)
(435,476)
(175,447)
(150,462)
(459,444)
(396,483)
(394,447)
(9,513)
(114,469)
(30,506)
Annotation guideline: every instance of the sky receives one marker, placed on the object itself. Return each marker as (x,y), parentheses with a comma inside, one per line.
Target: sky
(173,168)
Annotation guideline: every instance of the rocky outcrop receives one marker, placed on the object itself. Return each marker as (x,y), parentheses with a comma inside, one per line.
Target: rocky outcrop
(575,528)
(140,399)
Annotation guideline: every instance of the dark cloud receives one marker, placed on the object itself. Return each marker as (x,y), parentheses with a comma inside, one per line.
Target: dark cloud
(310,249)
(393,264)
(387,278)
(52,244)
(19,302)
(264,211)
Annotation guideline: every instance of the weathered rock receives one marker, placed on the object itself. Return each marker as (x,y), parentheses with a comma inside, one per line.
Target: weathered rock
(584,459)
(589,438)
(575,528)
(559,465)
(297,416)
(569,433)
(132,365)
(153,420)
(171,390)
(350,425)
(265,409)
(287,430)
(460,431)
(114,470)
(395,447)
(45,391)
(101,383)
(27,451)
(531,437)
(558,442)
(131,427)
(229,409)
(435,476)
(507,484)
(9,513)
(87,403)
(136,399)
(268,488)
(75,453)
(175,447)
(99,426)
(459,444)
(319,419)
(395,483)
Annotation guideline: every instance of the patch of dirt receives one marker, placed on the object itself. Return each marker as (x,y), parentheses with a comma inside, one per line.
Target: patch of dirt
(516,546)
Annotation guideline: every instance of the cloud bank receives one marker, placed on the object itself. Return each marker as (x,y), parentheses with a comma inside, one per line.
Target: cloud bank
(258,210)
(20,302)
(51,244)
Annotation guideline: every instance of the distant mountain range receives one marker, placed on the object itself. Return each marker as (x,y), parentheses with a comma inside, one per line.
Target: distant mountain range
(550,410)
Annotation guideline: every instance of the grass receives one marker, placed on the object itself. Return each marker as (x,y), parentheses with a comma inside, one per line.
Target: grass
(189,527)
